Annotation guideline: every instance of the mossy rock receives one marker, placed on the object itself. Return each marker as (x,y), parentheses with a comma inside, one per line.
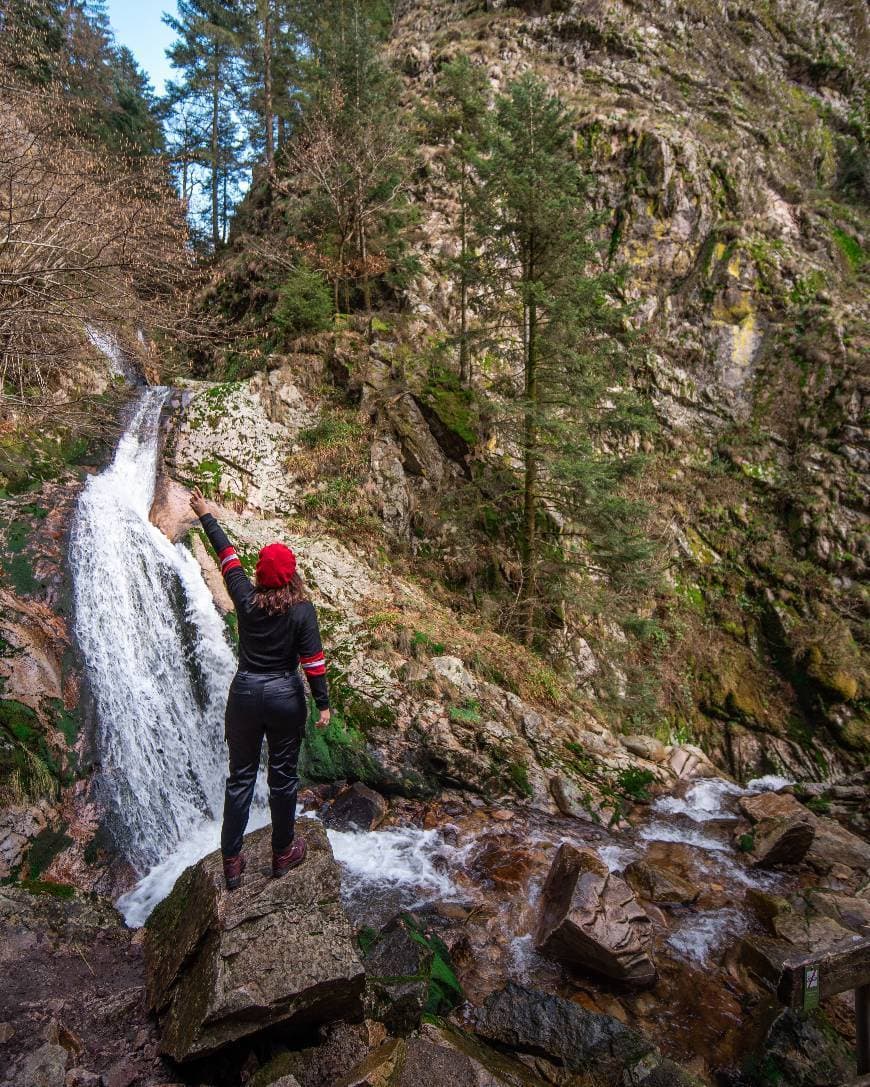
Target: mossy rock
(837,680)
(29,770)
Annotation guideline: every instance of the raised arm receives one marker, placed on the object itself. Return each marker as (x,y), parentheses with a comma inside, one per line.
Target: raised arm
(237,581)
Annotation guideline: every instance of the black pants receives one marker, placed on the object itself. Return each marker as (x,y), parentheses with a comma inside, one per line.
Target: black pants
(270,704)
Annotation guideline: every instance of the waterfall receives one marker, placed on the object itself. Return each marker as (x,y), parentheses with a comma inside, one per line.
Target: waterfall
(155,653)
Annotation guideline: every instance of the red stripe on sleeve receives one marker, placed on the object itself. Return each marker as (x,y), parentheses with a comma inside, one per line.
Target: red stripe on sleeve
(233,564)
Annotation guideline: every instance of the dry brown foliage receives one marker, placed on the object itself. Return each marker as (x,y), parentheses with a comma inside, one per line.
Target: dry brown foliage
(85,239)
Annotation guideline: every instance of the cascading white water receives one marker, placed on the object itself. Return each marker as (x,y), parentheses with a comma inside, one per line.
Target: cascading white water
(155,652)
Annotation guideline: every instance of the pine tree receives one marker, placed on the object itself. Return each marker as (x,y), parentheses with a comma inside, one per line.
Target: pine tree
(207,53)
(351,148)
(271,53)
(459,117)
(549,287)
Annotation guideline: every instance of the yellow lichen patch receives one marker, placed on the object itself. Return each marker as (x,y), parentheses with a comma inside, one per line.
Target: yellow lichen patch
(745,341)
(733,307)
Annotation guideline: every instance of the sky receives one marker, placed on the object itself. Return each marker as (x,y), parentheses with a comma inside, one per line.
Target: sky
(138,24)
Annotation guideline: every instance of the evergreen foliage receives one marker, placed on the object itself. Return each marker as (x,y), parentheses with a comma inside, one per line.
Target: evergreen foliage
(553,313)
(70,47)
(304,303)
(460,119)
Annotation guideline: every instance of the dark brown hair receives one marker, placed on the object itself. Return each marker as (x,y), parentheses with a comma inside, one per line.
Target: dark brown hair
(277,601)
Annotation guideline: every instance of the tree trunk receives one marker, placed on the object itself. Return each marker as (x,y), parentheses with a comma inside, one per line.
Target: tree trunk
(268,117)
(530,489)
(464,362)
(215,152)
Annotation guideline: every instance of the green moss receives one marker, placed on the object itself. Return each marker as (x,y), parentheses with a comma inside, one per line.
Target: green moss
(452,403)
(336,753)
(445,992)
(28,768)
(849,247)
(468,713)
(47,887)
(44,848)
(746,843)
(633,782)
(518,773)
(421,641)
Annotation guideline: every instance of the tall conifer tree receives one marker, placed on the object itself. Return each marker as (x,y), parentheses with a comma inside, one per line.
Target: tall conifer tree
(547,275)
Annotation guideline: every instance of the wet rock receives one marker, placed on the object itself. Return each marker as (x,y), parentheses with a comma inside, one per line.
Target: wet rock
(378,1068)
(7,1032)
(590,918)
(397,970)
(670,1074)
(805,1051)
(357,807)
(850,911)
(438,1057)
(220,966)
(571,799)
(504,863)
(45,1067)
(782,840)
(772,806)
(660,885)
(645,747)
(767,907)
(338,1048)
(538,1024)
(81,1077)
(689,761)
(834,844)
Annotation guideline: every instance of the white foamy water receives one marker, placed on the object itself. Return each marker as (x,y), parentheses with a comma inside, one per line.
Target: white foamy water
(136,905)
(155,653)
(616,857)
(701,935)
(119,364)
(659,831)
(703,801)
(769,783)
(414,862)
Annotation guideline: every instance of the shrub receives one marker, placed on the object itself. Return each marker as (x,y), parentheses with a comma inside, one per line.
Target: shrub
(304,303)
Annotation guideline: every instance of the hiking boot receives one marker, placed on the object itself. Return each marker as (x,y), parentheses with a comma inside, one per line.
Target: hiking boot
(289,858)
(233,868)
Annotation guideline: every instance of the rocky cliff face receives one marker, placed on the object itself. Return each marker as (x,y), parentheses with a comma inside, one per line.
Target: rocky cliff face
(725,144)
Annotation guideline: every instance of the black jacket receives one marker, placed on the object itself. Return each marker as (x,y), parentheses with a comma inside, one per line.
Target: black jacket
(270,643)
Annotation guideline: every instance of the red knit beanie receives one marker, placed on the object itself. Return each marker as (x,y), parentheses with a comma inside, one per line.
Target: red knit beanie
(275,566)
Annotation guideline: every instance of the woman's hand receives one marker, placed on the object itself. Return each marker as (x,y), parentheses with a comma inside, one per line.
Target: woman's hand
(198,503)
(323,719)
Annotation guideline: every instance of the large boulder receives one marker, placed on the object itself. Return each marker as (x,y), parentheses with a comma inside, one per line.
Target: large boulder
(540,1025)
(355,807)
(660,885)
(590,918)
(398,967)
(439,1056)
(222,965)
(783,831)
(782,840)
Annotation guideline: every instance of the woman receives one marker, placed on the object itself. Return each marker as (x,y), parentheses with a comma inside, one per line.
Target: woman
(277,631)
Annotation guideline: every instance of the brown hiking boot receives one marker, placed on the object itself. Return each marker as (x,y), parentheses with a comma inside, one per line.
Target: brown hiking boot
(289,858)
(233,868)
